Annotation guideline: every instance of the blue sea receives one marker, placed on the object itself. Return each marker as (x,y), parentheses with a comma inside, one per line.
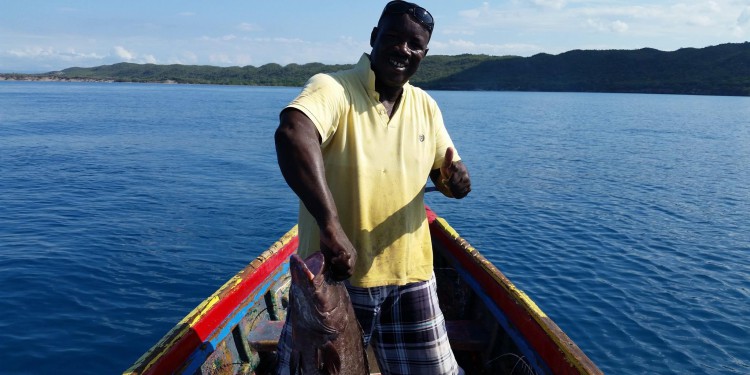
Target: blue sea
(122,206)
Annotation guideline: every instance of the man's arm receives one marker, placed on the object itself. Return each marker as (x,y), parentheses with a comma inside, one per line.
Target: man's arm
(301,163)
(452,178)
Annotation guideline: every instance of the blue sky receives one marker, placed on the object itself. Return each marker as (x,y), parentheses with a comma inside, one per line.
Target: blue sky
(41,36)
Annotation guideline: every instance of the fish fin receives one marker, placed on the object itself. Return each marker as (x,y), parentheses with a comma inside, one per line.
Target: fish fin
(329,358)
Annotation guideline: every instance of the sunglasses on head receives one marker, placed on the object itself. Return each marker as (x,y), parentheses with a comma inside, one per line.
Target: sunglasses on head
(420,14)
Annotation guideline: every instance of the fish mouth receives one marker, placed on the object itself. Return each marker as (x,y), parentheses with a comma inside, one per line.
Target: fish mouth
(306,269)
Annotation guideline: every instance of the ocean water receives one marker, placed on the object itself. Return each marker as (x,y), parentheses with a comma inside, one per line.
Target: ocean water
(122,206)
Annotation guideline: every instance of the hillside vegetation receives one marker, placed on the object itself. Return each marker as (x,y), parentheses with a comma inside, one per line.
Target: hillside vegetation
(719,70)
(716,70)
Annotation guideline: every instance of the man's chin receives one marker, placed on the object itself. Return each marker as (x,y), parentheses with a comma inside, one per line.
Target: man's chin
(395,78)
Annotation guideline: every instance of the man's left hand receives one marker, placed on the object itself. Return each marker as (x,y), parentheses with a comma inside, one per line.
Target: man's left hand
(454,176)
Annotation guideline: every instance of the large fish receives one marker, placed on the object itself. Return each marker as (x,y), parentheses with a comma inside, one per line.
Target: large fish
(326,336)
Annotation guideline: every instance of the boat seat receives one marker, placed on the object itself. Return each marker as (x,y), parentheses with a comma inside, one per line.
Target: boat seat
(464,335)
(265,336)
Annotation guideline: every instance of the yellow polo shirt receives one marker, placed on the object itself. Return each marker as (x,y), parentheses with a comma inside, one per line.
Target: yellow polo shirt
(376,168)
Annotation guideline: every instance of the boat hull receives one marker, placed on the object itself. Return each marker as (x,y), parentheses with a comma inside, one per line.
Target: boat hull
(493,326)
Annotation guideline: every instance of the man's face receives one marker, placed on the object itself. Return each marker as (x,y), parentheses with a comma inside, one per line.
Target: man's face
(398,46)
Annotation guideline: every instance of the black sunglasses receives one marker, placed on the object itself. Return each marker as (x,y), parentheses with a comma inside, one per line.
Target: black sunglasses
(420,14)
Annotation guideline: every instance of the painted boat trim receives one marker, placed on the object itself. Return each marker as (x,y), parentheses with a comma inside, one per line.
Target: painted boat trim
(192,340)
(546,339)
(174,350)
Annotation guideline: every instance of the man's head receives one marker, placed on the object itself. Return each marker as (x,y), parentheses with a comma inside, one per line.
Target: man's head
(419,14)
(399,42)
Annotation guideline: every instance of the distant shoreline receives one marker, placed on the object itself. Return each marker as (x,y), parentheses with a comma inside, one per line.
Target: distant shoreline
(33,78)
(722,70)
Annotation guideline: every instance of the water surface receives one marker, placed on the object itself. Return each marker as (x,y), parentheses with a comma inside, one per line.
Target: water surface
(122,206)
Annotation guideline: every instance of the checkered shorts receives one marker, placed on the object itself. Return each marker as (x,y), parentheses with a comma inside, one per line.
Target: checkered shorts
(404,325)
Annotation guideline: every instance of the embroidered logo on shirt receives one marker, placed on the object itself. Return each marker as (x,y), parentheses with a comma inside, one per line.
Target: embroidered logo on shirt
(421,137)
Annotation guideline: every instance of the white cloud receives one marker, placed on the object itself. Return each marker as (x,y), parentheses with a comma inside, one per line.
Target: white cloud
(616,26)
(619,26)
(32,52)
(459,46)
(743,21)
(44,59)
(701,14)
(224,59)
(666,17)
(223,38)
(518,27)
(245,26)
(150,59)
(558,25)
(53,53)
(221,59)
(278,40)
(458,31)
(474,13)
(514,16)
(122,53)
(553,4)
(186,57)
(744,18)
(700,20)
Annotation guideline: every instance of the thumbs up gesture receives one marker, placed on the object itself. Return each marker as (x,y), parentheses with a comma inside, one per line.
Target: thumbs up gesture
(454,178)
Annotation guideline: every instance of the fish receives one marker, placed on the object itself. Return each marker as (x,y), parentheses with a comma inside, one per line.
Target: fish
(326,336)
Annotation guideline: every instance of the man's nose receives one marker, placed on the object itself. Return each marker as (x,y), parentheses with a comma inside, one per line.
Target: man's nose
(403,47)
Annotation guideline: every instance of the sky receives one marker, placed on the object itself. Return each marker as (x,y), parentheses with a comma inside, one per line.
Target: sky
(41,36)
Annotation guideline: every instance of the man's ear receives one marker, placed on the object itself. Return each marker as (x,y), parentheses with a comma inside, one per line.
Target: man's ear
(373,36)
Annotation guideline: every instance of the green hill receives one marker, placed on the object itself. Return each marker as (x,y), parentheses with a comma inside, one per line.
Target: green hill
(266,75)
(718,70)
(715,70)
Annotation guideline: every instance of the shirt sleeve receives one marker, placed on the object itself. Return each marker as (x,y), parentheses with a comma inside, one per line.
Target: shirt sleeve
(321,100)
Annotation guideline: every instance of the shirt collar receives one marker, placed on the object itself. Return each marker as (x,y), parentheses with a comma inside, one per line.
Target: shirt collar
(366,75)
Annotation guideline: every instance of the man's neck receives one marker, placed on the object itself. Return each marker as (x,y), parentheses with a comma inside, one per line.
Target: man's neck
(389,97)
(388,94)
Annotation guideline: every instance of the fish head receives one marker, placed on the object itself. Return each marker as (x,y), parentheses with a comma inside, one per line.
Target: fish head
(326,338)
(318,298)
(305,273)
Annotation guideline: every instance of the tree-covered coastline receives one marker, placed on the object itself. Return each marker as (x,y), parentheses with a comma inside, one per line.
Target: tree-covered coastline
(717,70)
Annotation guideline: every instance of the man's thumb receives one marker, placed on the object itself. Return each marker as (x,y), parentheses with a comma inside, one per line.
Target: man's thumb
(447,162)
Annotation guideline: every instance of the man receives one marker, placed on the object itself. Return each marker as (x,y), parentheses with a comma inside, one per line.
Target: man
(357,147)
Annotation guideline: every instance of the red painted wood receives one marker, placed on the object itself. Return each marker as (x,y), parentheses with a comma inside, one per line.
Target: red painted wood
(536,336)
(175,358)
(229,303)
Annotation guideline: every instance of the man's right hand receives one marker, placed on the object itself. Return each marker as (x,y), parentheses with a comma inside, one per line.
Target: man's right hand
(339,253)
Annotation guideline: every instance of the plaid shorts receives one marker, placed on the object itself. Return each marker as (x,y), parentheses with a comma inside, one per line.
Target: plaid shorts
(404,325)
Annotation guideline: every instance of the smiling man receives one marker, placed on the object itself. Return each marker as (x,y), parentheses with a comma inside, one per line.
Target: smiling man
(357,147)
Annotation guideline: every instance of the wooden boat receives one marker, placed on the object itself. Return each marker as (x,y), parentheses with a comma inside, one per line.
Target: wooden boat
(494,328)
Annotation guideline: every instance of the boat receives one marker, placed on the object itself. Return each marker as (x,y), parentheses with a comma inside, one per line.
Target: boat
(493,326)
